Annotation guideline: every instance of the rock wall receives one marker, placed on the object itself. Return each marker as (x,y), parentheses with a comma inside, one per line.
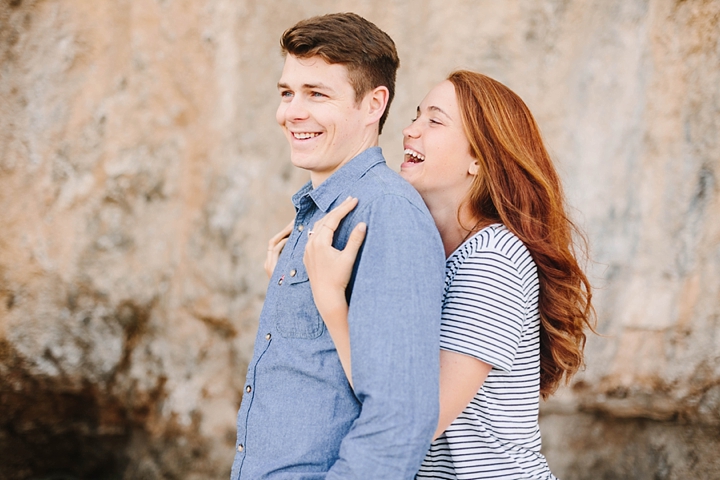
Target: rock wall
(141,173)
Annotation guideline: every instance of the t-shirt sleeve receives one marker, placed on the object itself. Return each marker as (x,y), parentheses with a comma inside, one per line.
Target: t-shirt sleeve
(485,309)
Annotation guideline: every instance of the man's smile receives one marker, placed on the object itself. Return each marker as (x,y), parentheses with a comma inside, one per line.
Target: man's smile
(304,135)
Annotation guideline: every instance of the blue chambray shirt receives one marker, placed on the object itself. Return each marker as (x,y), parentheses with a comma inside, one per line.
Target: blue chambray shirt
(299,418)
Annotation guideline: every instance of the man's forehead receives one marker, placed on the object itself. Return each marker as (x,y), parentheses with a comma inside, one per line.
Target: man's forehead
(312,71)
(312,61)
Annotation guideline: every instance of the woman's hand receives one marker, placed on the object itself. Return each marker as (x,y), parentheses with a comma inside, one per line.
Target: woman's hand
(275,246)
(329,271)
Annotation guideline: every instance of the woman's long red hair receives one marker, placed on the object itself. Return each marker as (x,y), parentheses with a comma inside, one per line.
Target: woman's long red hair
(518,186)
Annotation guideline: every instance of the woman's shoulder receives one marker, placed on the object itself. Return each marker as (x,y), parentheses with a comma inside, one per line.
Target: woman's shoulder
(498,238)
(496,244)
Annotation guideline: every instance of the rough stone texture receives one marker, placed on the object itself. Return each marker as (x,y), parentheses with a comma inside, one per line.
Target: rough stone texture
(141,173)
(607,448)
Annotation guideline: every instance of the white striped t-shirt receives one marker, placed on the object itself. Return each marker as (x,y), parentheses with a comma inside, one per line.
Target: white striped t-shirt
(490,312)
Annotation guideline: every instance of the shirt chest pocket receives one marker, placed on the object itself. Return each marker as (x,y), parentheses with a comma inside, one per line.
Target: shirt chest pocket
(296,314)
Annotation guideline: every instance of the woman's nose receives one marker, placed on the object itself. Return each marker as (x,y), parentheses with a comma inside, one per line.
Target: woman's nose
(411,131)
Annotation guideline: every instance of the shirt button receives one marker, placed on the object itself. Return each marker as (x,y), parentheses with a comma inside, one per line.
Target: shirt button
(240,448)
(293,272)
(248,389)
(301,228)
(268,336)
(280,281)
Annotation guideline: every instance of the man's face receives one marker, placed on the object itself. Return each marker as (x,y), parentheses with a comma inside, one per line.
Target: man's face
(324,125)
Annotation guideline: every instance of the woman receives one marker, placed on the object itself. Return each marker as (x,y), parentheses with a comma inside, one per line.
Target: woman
(516,301)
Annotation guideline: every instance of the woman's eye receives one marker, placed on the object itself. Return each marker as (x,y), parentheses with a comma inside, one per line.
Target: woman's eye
(434,122)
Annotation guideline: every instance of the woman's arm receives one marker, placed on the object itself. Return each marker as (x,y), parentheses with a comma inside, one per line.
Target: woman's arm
(329,272)
(461,376)
(333,309)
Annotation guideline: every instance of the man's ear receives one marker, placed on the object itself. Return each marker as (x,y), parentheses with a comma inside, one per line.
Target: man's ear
(376,101)
(474,168)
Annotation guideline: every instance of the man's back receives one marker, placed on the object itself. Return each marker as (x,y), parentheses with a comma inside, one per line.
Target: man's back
(299,417)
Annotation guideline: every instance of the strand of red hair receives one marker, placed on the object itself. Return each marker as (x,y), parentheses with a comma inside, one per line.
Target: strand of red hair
(518,186)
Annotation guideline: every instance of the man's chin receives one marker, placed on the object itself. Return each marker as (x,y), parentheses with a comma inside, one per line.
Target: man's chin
(302,161)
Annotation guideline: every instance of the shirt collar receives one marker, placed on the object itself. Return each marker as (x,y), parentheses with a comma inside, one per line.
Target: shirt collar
(334,186)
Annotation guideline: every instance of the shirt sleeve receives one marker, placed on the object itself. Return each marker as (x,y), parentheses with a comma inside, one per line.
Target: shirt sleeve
(484,311)
(394,320)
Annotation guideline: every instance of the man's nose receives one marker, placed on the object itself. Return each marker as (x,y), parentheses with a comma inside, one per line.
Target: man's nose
(296,110)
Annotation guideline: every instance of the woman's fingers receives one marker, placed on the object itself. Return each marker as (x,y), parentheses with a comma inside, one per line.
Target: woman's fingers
(355,241)
(322,234)
(284,233)
(328,268)
(329,223)
(275,247)
(271,258)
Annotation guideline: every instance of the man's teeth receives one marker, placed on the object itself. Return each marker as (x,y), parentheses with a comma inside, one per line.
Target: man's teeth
(303,136)
(417,156)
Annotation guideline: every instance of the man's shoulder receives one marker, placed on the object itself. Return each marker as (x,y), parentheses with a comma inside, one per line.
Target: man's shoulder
(381,181)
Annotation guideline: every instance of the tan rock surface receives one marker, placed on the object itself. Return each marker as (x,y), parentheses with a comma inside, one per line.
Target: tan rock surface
(141,172)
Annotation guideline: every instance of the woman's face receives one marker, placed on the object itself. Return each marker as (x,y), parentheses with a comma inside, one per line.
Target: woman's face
(437,158)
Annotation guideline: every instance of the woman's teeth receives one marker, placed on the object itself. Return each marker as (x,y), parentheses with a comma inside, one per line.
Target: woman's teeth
(303,136)
(414,156)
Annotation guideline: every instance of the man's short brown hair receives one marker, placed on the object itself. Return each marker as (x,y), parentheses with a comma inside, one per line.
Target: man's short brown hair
(367,52)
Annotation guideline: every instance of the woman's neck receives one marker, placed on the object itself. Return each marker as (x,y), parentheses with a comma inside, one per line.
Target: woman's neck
(454,228)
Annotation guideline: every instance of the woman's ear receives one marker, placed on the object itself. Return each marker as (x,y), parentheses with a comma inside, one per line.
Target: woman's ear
(377,103)
(474,168)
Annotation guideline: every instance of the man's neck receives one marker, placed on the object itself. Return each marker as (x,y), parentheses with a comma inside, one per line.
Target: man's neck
(318,177)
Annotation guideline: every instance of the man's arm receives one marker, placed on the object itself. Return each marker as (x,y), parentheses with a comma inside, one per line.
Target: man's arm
(394,321)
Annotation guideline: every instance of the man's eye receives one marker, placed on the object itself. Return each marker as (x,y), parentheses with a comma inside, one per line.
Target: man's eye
(286,94)
(317,94)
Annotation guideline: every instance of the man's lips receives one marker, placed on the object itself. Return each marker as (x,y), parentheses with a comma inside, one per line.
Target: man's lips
(413,157)
(304,135)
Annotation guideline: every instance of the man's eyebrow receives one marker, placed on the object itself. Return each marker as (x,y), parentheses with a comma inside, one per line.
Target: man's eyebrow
(311,86)
(307,86)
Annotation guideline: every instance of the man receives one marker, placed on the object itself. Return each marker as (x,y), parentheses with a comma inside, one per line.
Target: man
(299,417)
